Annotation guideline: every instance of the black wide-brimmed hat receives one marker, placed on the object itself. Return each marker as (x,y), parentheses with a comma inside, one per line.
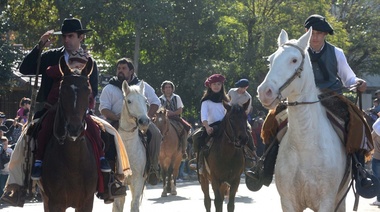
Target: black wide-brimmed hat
(71,25)
(318,23)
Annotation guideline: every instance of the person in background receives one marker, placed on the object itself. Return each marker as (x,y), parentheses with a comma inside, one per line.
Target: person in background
(239,94)
(174,106)
(376,154)
(23,111)
(5,156)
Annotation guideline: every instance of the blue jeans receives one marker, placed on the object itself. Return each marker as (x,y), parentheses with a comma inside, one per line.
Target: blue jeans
(376,171)
(3,180)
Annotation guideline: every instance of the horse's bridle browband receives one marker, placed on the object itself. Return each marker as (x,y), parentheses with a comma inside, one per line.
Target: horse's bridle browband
(296,74)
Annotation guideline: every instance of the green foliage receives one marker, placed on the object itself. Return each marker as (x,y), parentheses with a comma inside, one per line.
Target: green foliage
(186,41)
(8,57)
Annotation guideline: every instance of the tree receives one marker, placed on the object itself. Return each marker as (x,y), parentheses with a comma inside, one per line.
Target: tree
(8,56)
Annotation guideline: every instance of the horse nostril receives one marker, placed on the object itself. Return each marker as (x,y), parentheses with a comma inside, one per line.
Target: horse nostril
(269,92)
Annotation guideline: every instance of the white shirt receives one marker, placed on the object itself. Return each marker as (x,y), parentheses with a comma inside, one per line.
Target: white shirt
(212,111)
(345,72)
(111,98)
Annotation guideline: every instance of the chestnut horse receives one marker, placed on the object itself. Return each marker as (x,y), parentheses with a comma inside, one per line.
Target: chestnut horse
(69,175)
(170,152)
(225,161)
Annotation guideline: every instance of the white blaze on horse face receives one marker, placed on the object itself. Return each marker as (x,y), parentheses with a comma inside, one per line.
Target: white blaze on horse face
(75,88)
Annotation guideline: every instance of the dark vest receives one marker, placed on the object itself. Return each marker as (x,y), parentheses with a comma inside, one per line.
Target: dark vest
(170,105)
(332,81)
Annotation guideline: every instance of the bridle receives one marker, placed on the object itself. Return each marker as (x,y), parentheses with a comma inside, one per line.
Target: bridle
(231,138)
(296,74)
(130,116)
(59,114)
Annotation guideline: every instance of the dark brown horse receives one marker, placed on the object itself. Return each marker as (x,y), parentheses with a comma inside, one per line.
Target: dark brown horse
(69,174)
(170,152)
(225,161)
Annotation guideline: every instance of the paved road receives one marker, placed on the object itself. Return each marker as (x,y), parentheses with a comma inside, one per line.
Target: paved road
(190,199)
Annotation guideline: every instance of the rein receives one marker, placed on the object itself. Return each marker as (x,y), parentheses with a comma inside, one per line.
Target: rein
(296,74)
(59,114)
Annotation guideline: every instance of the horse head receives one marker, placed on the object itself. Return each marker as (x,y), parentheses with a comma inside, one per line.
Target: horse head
(235,123)
(161,120)
(73,100)
(289,71)
(136,104)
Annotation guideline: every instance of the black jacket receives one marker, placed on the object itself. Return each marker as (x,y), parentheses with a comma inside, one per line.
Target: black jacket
(50,58)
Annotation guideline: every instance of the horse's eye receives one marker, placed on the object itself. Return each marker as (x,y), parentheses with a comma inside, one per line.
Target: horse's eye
(294,60)
(129,101)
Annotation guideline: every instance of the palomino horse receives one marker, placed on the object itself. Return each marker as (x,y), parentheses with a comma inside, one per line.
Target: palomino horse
(133,117)
(170,152)
(311,161)
(69,175)
(225,161)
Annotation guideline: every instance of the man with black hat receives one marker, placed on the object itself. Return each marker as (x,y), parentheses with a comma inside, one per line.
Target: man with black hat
(331,72)
(72,35)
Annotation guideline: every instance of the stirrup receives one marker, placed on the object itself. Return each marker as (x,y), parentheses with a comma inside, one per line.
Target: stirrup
(14,197)
(116,188)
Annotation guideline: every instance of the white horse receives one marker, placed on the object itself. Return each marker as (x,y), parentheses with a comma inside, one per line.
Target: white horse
(133,117)
(311,160)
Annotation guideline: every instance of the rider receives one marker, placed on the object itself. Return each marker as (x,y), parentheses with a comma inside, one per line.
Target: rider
(212,114)
(72,34)
(239,95)
(330,71)
(111,104)
(77,60)
(173,104)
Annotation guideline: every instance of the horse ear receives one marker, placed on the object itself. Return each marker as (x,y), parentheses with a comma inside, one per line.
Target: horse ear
(87,70)
(63,67)
(226,105)
(125,88)
(303,41)
(142,87)
(245,105)
(282,38)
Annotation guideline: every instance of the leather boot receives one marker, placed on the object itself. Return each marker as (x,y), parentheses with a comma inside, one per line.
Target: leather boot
(14,195)
(183,140)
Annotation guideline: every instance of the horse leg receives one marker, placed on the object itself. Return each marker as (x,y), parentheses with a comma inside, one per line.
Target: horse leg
(118,203)
(206,192)
(87,207)
(164,182)
(219,195)
(232,192)
(137,191)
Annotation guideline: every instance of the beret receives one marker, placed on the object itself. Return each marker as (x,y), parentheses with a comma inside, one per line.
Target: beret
(213,79)
(319,23)
(242,83)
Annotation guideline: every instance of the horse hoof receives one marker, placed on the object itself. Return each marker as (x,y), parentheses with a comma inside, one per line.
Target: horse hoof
(164,194)
(173,193)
